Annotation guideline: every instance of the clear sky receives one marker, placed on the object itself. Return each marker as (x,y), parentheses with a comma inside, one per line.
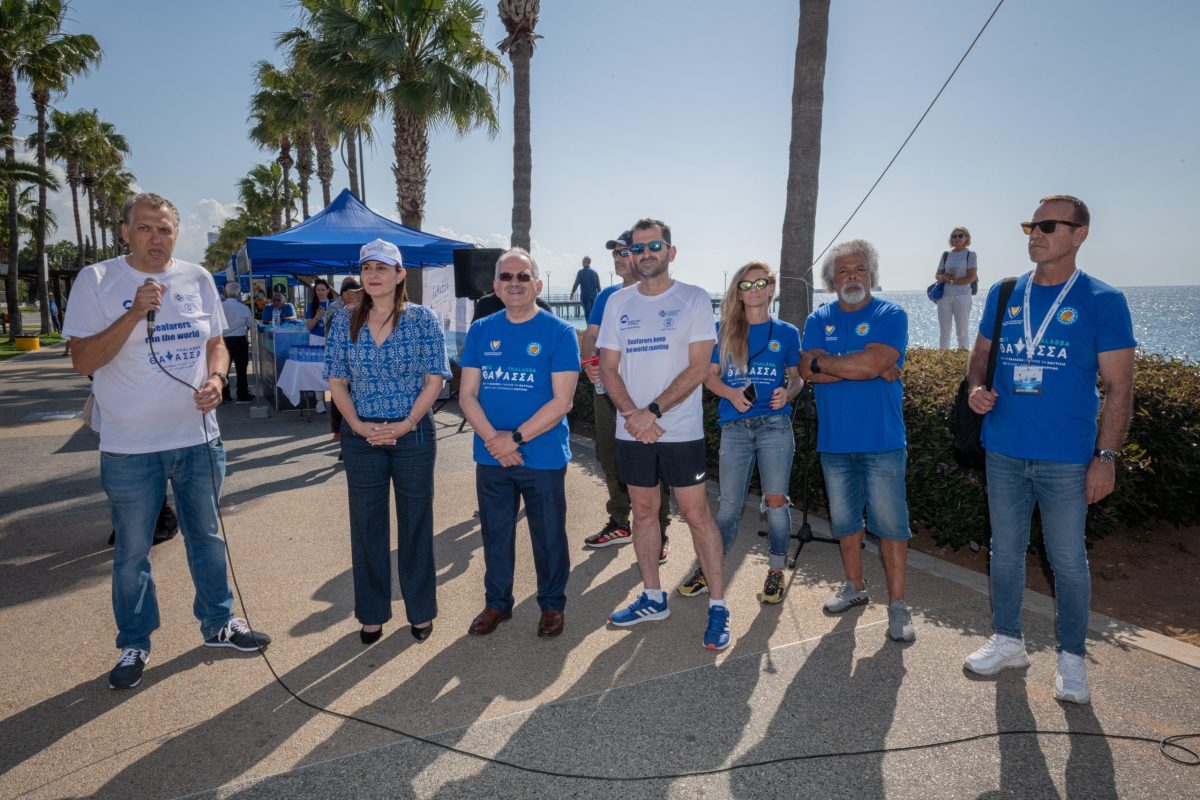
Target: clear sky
(680,109)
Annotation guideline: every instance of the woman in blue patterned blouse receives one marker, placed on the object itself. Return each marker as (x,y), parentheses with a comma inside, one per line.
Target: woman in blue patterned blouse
(385,363)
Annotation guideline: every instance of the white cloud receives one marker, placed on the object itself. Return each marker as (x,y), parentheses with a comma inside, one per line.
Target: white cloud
(195,224)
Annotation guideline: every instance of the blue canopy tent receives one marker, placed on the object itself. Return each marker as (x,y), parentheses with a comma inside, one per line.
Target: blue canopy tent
(328,242)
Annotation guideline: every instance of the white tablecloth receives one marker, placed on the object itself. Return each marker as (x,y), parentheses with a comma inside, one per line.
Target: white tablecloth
(302,376)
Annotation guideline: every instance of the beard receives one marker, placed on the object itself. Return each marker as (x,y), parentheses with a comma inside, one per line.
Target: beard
(650,268)
(852,293)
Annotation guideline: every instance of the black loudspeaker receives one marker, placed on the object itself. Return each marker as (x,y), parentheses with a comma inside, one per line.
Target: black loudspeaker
(474,270)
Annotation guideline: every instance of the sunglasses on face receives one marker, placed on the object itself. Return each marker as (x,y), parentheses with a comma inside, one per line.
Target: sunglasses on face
(761,283)
(622,253)
(508,277)
(1047,225)
(958,236)
(653,247)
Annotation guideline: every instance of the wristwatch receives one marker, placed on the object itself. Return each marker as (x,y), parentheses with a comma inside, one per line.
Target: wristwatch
(814,367)
(518,438)
(1105,456)
(655,410)
(223,376)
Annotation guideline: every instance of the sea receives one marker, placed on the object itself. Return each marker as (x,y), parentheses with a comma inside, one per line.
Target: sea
(1166,319)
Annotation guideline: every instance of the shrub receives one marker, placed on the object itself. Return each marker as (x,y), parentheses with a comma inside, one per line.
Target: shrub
(1158,478)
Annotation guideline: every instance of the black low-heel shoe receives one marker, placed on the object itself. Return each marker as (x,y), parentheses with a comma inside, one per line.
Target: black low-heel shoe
(370,637)
(421,634)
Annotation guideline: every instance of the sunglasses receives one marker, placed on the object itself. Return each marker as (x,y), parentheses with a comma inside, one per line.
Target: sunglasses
(761,283)
(1047,225)
(958,236)
(508,277)
(653,247)
(622,253)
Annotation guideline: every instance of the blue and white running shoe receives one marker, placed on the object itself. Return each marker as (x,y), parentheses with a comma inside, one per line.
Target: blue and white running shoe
(716,635)
(641,610)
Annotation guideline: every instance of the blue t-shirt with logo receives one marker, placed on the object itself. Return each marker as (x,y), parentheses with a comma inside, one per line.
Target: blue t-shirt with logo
(597,314)
(858,416)
(516,361)
(773,347)
(1058,422)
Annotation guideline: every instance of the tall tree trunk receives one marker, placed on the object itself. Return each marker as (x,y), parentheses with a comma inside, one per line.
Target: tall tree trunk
(304,164)
(411,168)
(352,161)
(804,163)
(320,135)
(8,119)
(286,162)
(91,195)
(41,101)
(522,213)
(74,182)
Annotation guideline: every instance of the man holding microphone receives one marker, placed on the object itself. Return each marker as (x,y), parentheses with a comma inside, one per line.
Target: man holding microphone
(142,325)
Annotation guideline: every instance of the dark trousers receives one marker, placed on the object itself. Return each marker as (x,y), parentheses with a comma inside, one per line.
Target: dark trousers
(500,490)
(407,467)
(239,354)
(606,451)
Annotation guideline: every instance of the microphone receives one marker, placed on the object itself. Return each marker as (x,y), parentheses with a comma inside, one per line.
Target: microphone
(150,313)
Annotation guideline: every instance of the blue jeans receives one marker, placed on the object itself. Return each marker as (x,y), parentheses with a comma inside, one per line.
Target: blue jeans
(544,491)
(407,469)
(770,441)
(136,485)
(1014,486)
(873,482)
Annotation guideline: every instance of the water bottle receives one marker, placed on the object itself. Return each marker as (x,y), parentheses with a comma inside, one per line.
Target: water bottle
(599,387)
(275,318)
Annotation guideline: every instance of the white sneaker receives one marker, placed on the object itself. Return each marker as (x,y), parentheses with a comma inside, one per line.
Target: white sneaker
(1000,652)
(1070,680)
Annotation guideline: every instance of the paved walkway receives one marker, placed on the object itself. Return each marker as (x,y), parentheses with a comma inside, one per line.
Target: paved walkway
(611,704)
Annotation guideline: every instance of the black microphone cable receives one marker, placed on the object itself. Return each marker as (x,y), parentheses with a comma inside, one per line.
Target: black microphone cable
(1171,747)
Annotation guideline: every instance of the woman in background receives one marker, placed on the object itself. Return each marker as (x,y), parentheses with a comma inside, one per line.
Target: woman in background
(385,364)
(317,309)
(958,271)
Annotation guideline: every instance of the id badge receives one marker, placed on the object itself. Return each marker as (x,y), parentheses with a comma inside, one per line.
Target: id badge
(1027,380)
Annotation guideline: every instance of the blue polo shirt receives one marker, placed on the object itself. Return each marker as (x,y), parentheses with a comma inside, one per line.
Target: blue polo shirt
(268,312)
(1059,422)
(516,361)
(858,416)
(773,347)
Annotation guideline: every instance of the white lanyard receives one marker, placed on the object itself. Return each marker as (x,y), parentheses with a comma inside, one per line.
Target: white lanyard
(1031,343)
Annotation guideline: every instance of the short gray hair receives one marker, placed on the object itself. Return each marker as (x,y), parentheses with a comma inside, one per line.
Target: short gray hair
(523,253)
(860,246)
(232,289)
(154,201)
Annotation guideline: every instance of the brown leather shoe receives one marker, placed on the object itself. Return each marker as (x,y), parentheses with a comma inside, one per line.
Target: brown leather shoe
(551,623)
(487,621)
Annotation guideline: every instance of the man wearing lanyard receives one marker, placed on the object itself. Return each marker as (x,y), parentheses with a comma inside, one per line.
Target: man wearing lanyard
(1043,443)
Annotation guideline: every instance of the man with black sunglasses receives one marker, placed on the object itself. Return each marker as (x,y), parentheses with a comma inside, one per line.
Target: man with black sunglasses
(656,341)
(617,530)
(519,370)
(1060,330)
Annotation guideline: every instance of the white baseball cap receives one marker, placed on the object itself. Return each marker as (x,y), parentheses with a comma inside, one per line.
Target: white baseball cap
(379,250)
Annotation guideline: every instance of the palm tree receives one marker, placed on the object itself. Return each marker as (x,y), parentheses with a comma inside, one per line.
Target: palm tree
(49,68)
(114,186)
(279,110)
(24,26)
(428,56)
(520,18)
(261,194)
(804,163)
(67,140)
(106,151)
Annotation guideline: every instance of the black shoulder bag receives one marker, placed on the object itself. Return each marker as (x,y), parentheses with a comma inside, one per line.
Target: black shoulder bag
(965,424)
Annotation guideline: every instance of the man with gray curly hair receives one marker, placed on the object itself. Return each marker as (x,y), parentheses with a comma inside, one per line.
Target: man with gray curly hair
(853,351)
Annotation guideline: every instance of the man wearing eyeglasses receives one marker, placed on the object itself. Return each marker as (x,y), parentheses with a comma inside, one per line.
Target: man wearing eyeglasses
(655,342)
(1060,330)
(853,352)
(519,370)
(617,530)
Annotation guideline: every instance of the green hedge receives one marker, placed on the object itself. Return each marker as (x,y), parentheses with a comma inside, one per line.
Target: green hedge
(1158,479)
